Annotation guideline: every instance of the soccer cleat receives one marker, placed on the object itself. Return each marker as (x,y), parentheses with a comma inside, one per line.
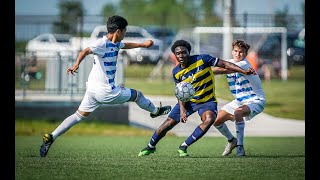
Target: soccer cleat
(229,147)
(182,150)
(161,111)
(240,150)
(146,151)
(47,142)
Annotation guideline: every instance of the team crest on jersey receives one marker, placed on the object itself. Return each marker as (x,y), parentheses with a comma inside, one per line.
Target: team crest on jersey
(192,77)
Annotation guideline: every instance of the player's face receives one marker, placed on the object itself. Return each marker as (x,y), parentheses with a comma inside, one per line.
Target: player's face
(238,53)
(121,34)
(182,55)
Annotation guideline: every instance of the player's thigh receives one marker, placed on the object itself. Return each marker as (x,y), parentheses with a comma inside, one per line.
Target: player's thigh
(208,106)
(230,107)
(124,96)
(88,103)
(175,112)
(222,117)
(255,109)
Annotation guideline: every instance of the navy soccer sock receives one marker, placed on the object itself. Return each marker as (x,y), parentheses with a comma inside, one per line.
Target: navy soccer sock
(197,134)
(154,140)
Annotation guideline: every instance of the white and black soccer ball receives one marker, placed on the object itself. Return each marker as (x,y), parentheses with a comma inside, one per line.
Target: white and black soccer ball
(184,91)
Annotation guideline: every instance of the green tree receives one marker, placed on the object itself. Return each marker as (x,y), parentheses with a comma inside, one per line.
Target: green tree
(209,17)
(281,17)
(108,10)
(70,15)
(171,13)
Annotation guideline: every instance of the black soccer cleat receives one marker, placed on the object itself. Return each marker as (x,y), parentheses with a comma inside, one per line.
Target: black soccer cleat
(161,111)
(47,142)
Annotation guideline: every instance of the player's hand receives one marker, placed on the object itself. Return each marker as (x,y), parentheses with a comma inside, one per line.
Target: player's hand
(148,43)
(73,70)
(183,116)
(250,71)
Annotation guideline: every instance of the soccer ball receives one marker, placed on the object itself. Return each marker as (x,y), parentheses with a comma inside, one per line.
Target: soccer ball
(184,91)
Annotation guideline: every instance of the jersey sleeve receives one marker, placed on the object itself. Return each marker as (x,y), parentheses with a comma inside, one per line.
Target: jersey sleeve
(208,59)
(121,45)
(174,72)
(97,47)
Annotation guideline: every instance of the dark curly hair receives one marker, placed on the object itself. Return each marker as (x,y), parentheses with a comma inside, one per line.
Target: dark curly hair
(181,43)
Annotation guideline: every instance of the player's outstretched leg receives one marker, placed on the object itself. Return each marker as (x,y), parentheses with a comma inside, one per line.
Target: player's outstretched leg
(161,111)
(146,151)
(47,142)
(230,146)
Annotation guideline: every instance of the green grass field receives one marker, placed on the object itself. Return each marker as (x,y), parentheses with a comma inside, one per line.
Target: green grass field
(116,157)
(93,150)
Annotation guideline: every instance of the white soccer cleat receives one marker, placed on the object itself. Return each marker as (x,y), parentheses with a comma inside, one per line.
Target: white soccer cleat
(229,147)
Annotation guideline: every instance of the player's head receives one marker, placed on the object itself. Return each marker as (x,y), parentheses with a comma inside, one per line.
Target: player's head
(239,50)
(181,50)
(117,24)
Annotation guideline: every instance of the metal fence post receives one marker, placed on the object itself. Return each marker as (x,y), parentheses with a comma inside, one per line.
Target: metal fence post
(59,73)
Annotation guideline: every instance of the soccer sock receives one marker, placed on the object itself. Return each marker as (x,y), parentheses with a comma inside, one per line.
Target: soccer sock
(240,132)
(197,134)
(67,124)
(224,130)
(154,140)
(145,103)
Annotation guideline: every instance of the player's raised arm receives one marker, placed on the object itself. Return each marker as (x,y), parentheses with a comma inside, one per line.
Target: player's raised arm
(130,45)
(231,67)
(81,56)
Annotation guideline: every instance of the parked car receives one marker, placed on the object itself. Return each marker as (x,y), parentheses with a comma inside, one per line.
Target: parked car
(149,55)
(270,50)
(48,45)
(137,34)
(163,33)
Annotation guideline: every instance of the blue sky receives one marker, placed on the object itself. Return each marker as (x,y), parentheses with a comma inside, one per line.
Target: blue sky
(50,7)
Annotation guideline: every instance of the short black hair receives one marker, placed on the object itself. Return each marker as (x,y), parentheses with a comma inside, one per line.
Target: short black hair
(181,43)
(116,22)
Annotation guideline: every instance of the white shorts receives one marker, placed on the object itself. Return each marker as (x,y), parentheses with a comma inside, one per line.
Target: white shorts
(255,108)
(92,100)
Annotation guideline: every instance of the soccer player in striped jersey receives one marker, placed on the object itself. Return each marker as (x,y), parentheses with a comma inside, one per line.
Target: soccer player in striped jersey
(101,88)
(195,69)
(249,99)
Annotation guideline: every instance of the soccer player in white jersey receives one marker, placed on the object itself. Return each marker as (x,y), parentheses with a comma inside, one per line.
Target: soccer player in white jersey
(101,88)
(249,99)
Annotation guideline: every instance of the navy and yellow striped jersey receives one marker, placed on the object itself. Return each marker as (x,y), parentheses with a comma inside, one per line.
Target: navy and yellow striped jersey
(200,75)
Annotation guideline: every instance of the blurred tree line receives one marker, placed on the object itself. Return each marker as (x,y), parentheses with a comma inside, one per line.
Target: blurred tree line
(166,13)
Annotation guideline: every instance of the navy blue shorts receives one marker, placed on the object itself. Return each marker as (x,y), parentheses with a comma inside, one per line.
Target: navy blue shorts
(193,107)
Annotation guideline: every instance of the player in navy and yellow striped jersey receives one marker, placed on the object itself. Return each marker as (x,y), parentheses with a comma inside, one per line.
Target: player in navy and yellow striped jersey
(195,69)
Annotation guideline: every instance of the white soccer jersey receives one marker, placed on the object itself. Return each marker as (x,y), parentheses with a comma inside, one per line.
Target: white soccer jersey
(103,70)
(245,88)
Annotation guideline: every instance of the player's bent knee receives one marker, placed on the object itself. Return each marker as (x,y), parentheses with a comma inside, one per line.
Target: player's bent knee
(84,114)
(135,95)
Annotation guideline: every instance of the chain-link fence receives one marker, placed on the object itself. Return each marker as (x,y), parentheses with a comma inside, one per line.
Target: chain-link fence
(47,74)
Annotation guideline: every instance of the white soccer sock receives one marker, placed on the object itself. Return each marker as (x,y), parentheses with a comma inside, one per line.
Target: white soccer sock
(67,124)
(240,132)
(145,103)
(184,144)
(224,130)
(150,146)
